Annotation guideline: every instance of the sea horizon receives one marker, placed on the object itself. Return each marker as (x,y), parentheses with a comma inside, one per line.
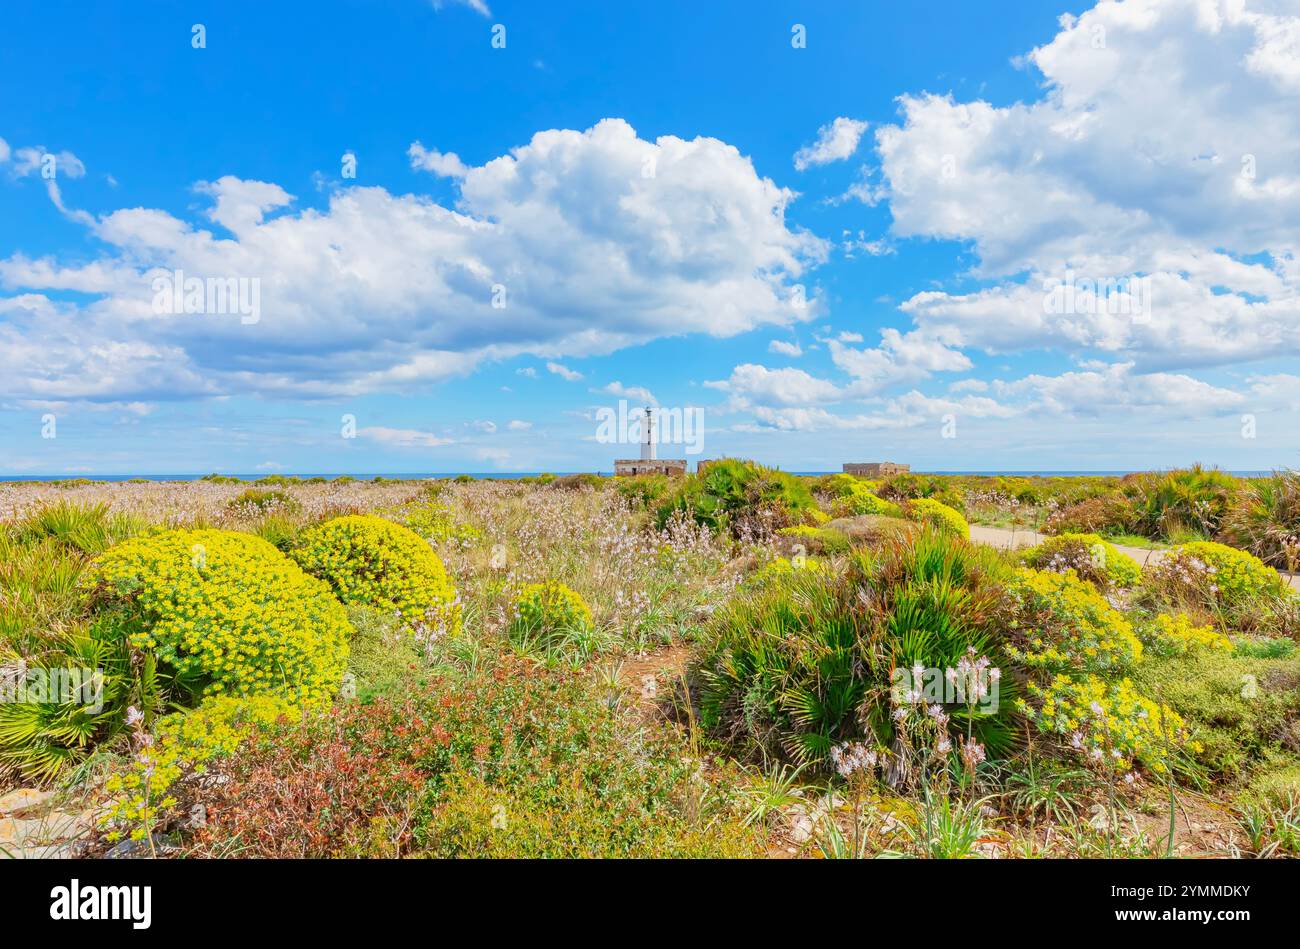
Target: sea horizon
(514,475)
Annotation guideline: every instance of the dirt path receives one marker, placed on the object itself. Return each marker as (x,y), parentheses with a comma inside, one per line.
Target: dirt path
(1010,540)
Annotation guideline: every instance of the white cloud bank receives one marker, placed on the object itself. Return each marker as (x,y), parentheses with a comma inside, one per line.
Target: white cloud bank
(577,243)
(1166,147)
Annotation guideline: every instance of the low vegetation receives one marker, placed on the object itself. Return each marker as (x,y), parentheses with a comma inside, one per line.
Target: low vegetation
(741,663)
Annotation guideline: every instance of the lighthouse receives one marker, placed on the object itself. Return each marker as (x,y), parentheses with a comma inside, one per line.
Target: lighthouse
(649,463)
(648,435)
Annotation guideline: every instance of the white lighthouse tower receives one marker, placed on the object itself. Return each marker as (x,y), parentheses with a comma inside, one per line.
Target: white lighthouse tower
(649,437)
(650,463)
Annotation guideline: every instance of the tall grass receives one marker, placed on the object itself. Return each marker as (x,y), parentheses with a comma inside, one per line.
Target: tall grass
(1265,520)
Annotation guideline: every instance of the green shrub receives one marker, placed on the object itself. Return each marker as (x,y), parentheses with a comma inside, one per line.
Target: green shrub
(644,490)
(1089,556)
(1165,504)
(1264,519)
(1245,712)
(1264,647)
(800,664)
(550,607)
(255,501)
(859,500)
(223,612)
(1229,585)
(504,760)
(1109,514)
(1279,787)
(374,562)
(814,540)
(1063,625)
(937,515)
(741,496)
(434,521)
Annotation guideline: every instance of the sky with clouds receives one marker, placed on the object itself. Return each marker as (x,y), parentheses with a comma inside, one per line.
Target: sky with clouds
(443,236)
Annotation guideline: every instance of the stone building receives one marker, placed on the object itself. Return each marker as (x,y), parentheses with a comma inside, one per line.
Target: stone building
(875,469)
(649,462)
(674,467)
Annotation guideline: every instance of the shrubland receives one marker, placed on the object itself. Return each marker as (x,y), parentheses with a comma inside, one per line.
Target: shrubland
(736,664)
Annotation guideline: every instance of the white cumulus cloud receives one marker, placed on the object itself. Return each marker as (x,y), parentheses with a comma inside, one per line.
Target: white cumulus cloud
(835,142)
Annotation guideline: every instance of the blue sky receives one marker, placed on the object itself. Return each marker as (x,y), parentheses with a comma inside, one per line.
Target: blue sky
(839,249)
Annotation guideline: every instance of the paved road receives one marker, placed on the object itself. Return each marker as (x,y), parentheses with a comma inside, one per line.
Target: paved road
(1007,539)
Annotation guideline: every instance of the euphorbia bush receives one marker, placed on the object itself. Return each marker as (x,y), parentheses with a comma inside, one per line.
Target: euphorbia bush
(937,515)
(550,607)
(223,613)
(1229,586)
(1062,624)
(1110,723)
(1089,556)
(371,561)
(858,500)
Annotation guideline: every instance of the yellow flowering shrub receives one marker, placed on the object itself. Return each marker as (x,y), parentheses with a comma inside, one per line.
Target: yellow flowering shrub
(801,531)
(781,567)
(1237,574)
(227,613)
(184,744)
(1226,575)
(1088,555)
(1232,587)
(859,499)
(1109,723)
(841,485)
(1179,634)
(550,606)
(374,562)
(1062,624)
(938,515)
